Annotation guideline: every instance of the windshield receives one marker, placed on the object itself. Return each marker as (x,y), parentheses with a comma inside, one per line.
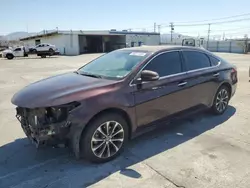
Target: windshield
(116,64)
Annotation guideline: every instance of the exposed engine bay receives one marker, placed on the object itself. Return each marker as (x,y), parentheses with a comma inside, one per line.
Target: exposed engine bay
(45,126)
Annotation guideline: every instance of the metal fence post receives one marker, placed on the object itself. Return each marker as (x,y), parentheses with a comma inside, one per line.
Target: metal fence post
(230,46)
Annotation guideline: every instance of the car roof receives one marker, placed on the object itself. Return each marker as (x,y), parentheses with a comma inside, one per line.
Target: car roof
(162,48)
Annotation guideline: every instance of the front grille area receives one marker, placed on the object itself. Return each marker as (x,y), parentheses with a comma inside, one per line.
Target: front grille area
(43,124)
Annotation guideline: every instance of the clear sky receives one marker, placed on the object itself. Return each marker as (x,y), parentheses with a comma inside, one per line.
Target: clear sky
(37,15)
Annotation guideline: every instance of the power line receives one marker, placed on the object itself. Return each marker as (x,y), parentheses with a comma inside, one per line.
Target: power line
(153,27)
(214,23)
(247,14)
(215,31)
(232,29)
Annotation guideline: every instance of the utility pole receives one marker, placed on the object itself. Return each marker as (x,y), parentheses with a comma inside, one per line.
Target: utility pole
(208,35)
(27,28)
(154,27)
(246,46)
(223,38)
(159,28)
(172,30)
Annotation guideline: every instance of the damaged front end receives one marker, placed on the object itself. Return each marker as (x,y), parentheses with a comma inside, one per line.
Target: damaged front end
(46,126)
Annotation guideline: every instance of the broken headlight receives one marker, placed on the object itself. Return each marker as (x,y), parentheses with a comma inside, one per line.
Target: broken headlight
(39,117)
(60,113)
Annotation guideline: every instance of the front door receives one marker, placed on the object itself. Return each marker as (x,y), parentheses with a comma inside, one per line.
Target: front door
(158,99)
(18,52)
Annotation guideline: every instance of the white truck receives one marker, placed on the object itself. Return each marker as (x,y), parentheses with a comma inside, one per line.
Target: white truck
(20,51)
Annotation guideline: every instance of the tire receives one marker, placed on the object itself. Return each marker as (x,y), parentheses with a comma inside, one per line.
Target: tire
(51,50)
(43,56)
(104,149)
(221,100)
(9,56)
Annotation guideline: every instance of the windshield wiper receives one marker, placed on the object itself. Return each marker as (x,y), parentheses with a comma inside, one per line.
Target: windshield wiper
(89,74)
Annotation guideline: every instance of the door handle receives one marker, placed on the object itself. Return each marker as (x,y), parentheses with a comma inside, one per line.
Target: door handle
(181,84)
(216,74)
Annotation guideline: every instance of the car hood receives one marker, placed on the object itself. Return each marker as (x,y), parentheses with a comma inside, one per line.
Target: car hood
(60,89)
(7,51)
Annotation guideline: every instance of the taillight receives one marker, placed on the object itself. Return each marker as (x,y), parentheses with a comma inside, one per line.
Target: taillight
(234,75)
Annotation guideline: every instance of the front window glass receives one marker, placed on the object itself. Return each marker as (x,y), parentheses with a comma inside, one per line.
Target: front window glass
(166,64)
(116,64)
(17,49)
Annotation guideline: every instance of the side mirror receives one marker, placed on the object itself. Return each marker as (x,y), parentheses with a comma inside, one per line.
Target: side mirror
(147,75)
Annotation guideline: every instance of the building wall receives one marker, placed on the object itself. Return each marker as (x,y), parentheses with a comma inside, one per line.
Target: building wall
(145,39)
(82,43)
(233,46)
(67,44)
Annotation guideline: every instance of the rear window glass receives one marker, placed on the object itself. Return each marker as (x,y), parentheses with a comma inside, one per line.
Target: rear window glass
(214,61)
(196,60)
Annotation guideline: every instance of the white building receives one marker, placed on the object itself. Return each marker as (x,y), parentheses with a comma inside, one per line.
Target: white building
(79,42)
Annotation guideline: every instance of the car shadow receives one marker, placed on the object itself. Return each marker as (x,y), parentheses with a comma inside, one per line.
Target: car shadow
(22,165)
(34,57)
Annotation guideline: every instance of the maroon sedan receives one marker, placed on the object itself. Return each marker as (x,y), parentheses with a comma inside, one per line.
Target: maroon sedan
(108,101)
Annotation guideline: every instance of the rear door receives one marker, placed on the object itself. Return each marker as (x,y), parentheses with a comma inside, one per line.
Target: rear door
(40,48)
(203,77)
(46,47)
(157,100)
(43,47)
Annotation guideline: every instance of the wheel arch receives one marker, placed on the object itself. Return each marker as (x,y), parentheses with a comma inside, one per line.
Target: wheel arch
(119,111)
(9,54)
(227,84)
(75,138)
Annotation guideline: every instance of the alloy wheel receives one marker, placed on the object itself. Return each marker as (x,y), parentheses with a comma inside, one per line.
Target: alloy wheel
(107,139)
(222,100)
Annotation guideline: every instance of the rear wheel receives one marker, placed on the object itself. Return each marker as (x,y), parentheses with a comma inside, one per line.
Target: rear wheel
(221,100)
(105,138)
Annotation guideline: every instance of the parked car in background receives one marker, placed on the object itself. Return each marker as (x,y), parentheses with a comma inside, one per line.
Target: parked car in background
(45,48)
(110,100)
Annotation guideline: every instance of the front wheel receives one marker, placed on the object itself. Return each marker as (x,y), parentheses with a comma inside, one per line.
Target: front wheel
(104,138)
(9,56)
(221,100)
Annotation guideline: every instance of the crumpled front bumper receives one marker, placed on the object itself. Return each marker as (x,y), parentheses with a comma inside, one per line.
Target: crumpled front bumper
(53,134)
